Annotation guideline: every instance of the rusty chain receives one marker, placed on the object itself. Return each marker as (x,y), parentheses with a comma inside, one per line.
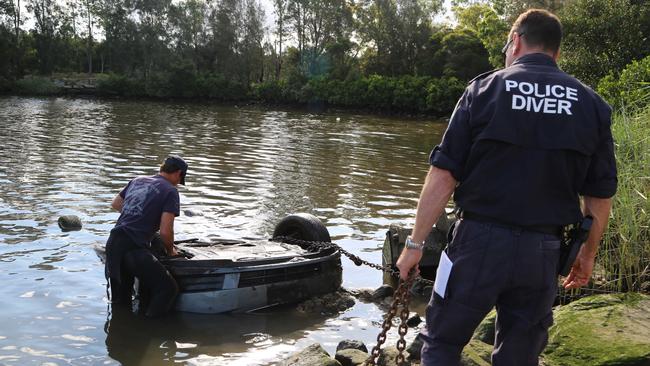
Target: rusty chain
(401,297)
(313,245)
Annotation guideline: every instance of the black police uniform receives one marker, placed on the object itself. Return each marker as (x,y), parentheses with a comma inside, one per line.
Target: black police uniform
(524,143)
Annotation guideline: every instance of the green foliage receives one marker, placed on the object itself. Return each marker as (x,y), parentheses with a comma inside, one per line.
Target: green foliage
(464,55)
(483,20)
(115,84)
(630,89)
(36,86)
(380,93)
(270,91)
(603,36)
(600,330)
(625,251)
(5,84)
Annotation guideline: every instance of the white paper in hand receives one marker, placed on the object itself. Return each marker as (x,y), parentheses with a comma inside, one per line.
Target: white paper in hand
(442,275)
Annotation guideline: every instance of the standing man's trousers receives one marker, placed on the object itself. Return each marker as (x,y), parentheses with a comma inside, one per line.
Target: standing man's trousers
(125,261)
(494,265)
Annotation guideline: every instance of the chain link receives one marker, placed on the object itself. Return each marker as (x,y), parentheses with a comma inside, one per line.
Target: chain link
(315,245)
(401,297)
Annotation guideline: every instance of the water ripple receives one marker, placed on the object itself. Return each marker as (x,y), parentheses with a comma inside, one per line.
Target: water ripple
(248,169)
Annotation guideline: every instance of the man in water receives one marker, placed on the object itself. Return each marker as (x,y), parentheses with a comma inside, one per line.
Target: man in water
(523,144)
(146,205)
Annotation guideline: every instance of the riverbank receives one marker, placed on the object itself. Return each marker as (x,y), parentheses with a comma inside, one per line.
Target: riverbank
(378,95)
(598,330)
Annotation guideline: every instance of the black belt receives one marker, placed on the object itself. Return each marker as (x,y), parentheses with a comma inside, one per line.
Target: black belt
(544,229)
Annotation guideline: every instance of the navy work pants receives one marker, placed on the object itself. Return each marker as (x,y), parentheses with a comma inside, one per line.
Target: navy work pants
(126,261)
(494,265)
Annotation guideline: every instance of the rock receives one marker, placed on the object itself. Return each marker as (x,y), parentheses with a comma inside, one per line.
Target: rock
(485,331)
(387,357)
(382,292)
(69,223)
(327,304)
(444,223)
(415,348)
(351,344)
(476,353)
(364,294)
(612,329)
(387,301)
(414,320)
(314,355)
(351,357)
(427,291)
(191,213)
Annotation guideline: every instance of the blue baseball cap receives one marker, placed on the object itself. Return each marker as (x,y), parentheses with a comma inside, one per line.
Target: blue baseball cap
(173,163)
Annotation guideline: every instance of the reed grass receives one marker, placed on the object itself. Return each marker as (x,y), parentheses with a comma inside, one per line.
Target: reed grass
(624,258)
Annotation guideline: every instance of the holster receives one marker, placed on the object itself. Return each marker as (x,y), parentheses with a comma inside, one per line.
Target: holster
(572,239)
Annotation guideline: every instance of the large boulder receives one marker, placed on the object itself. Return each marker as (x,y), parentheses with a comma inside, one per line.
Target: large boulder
(476,353)
(611,329)
(351,357)
(485,331)
(351,344)
(314,355)
(328,304)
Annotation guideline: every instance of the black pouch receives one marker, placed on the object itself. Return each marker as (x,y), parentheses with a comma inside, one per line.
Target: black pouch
(573,237)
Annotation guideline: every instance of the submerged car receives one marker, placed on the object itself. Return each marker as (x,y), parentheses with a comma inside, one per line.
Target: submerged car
(244,275)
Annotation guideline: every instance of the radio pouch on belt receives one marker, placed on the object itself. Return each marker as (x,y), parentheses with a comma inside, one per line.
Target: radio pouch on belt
(572,241)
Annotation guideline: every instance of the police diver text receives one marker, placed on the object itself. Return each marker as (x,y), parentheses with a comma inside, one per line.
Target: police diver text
(549,99)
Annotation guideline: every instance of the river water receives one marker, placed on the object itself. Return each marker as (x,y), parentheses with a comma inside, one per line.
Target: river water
(249,167)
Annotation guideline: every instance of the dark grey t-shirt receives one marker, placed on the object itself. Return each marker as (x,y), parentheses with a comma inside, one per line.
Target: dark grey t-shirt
(145,200)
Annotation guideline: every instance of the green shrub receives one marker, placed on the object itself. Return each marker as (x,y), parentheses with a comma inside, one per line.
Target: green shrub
(443,93)
(270,91)
(114,84)
(182,80)
(36,86)
(5,84)
(410,94)
(629,90)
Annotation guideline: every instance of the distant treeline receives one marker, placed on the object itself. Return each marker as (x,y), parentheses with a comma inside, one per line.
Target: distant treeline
(377,54)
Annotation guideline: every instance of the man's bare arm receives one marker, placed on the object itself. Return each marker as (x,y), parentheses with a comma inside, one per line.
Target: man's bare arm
(438,187)
(117,203)
(599,209)
(167,232)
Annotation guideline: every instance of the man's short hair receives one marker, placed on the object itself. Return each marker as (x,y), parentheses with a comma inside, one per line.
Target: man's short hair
(540,28)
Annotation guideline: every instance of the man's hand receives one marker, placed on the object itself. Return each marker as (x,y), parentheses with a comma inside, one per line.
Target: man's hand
(173,252)
(581,270)
(410,258)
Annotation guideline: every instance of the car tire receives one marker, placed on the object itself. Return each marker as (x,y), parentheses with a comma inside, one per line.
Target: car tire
(302,226)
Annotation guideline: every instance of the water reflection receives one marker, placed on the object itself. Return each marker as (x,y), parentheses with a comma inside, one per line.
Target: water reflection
(248,169)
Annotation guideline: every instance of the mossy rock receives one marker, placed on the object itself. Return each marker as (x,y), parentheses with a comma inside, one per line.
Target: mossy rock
(314,355)
(476,353)
(485,331)
(601,330)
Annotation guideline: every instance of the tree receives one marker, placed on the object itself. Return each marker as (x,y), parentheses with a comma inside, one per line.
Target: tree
(189,30)
(397,33)
(482,20)
(252,51)
(462,54)
(47,16)
(603,36)
(281,9)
